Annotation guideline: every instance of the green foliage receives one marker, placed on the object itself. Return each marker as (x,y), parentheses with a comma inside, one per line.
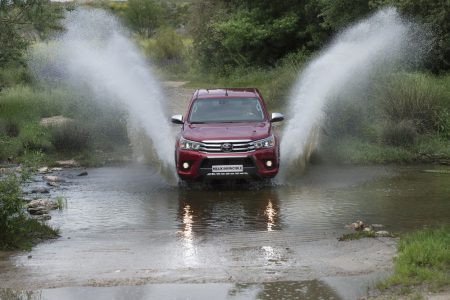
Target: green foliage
(339,14)
(71,137)
(34,138)
(273,82)
(229,34)
(423,258)
(96,126)
(10,205)
(144,16)
(345,117)
(399,134)
(18,231)
(23,21)
(167,49)
(351,150)
(435,15)
(13,74)
(414,97)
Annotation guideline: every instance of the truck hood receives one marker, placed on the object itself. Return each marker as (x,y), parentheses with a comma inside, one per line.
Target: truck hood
(228,131)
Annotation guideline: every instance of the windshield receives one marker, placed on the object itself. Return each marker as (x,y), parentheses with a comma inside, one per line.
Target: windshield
(220,110)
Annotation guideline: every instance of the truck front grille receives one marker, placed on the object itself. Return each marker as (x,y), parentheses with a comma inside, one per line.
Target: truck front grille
(227,146)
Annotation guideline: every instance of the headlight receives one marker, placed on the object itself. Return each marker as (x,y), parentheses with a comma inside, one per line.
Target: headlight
(189,145)
(265,143)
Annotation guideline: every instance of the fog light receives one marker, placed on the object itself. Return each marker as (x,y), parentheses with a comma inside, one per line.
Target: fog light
(269,163)
(185,165)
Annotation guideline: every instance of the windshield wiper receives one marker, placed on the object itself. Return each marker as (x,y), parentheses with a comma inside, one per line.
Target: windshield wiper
(198,122)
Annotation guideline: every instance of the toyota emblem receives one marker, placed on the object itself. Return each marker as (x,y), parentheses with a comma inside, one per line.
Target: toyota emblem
(227,147)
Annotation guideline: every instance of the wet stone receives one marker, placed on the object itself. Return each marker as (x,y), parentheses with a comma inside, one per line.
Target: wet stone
(40,190)
(51,178)
(42,203)
(53,184)
(43,217)
(383,233)
(40,210)
(71,163)
(83,174)
(43,170)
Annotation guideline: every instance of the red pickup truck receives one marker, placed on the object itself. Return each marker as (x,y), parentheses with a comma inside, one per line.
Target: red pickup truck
(227,133)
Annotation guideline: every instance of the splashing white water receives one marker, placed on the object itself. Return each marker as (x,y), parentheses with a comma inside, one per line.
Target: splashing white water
(383,39)
(94,52)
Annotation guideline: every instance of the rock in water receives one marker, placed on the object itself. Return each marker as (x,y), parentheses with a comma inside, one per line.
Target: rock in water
(383,233)
(51,178)
(42,203)
(43,170)
(71,163)
(83,174)
(39,210)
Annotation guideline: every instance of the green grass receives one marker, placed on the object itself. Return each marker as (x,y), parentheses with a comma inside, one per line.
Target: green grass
(354,150)
(61,202)
(423,259)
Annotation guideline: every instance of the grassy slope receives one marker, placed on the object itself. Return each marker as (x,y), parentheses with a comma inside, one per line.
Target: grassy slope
(423,260)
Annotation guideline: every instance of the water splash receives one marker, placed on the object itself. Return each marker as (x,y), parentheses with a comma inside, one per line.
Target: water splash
(382,40)
(95,53)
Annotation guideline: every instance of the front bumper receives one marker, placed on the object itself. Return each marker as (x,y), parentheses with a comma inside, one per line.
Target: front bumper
(200,164)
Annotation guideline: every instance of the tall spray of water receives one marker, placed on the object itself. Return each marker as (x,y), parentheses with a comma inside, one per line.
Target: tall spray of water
(384,39)
(95,53)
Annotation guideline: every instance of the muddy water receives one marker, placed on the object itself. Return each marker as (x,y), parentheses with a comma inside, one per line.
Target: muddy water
(124,227)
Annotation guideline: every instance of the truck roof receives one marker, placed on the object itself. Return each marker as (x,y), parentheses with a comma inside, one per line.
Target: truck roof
(227,92)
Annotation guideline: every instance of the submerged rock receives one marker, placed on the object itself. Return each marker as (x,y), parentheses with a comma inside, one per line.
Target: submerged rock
(40,190)
(83,174)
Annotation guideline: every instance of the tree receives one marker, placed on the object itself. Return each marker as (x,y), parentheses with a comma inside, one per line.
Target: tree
(144,16)
(248,33)
(22,21)
(436,15)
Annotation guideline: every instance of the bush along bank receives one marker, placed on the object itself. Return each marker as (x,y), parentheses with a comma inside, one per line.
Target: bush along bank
(40,125)
(400,118)
(19,230)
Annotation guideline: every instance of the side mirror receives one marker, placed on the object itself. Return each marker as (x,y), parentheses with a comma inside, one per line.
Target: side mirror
(276,117)
(177,119)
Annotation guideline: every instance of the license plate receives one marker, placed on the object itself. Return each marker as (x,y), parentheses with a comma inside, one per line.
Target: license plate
(227,168)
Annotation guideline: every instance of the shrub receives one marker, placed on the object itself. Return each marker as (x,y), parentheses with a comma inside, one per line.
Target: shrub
(400,134)
(343,118)
(71,137)
(9,127)
(18,231)
(10,204)
(34,137)
(415,97)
